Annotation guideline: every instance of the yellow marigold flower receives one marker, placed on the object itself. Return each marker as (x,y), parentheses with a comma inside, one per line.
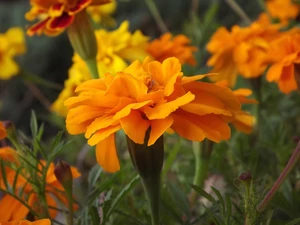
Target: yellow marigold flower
(284,10)
(2,131)
(115,49)
(26,222)
(55,15)
(286,54)
(243,50)
(167,46)
(12,44)
(54,191)
(148,95)
(102,14)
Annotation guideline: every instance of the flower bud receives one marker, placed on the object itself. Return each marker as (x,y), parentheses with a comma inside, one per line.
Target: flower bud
(64,175)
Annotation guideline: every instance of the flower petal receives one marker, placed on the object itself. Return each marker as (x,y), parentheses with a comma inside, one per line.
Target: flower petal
(158,127)
(106,154)
(102,134)
(135,126)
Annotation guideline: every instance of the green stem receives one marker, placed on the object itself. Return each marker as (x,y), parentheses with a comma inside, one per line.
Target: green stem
(202,152)
(151,187)
(156,15)
(69,194)
(239,11)
(93,68)
(288,168)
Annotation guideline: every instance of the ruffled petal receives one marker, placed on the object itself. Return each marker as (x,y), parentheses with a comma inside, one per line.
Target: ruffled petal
(158,128)
(106,154)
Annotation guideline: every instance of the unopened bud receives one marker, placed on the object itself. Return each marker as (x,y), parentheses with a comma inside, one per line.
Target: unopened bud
(64,175)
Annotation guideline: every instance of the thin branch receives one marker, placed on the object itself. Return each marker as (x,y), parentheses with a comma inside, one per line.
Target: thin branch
(239,11)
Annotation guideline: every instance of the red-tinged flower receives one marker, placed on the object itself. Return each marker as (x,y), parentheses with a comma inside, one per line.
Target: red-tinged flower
(167,46)
(148,96)
(2,131)
(55,15)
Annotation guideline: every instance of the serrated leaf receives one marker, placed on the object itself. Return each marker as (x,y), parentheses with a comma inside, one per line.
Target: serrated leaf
(93,211)
(220,198)
(180,199)
(33,124)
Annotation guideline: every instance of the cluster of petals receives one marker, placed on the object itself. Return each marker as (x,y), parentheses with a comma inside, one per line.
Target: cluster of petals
(115,49)
(149,95)
(55,15)
(285,61)
(243,121)
(27,222)
(12,45)
(284,10)
(243,50)
(168,46)
(13,210)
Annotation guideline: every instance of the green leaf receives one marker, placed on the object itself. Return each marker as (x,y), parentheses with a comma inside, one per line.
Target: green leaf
(294,222)
(203,193)
(171,158)
(221,200)
(93,211)
(124,192)
(33,124)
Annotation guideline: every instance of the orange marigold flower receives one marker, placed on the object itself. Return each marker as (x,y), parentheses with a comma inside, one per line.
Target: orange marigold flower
(284,10)
(55,15)
(286,55)
(26,222)
(167,46)
(243,50)
(242,120)
(148,95)
(11,209)
(2,131)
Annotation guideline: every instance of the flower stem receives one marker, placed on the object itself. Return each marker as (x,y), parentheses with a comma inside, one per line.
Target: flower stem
(70,207)
(156,15)
(151,187)
(202,152)
(288,168)
(92,65)
(239,11)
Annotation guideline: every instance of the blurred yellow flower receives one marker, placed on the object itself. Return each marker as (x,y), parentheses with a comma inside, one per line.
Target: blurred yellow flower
(102,14)
(2,131)
(55,15)
(283,10)
(26,222)
(243,50)
(115,50)
(167,46)
(12,44)
(148,95)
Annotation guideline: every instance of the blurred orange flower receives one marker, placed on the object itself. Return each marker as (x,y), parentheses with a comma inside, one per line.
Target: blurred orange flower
(283,10)
(167,46)
(286,55)
(2,131)
(243,50)
(53,189)
(26,222)
(55,15)
(148,95)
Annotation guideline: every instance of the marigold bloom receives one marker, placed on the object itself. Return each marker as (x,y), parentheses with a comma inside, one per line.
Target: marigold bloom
(55,15)
(12,44)
(115,49)
(54,191)
(242,120)
(148,95)
(102,14)
(167,46)
(26,222)
(284,10)
(2,131)
(243,50)
(286,53)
